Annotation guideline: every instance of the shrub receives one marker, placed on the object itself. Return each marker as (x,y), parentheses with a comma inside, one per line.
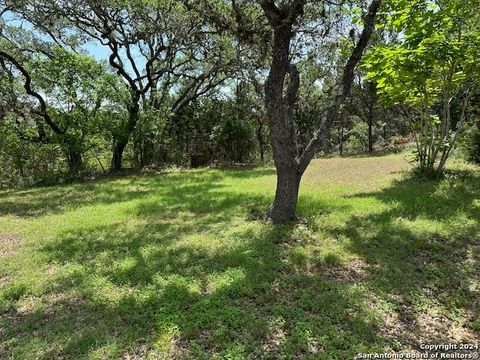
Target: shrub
(470,145)
(357,138)
(233,141)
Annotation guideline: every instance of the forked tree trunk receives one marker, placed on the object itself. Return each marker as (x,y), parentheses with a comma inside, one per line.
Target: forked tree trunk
(281,89)
(280,106)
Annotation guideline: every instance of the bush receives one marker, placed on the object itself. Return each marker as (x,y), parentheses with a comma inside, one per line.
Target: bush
(233,141)
(470,144)
(357,138)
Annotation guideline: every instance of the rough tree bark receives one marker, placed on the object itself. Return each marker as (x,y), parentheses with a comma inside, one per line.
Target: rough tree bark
(281,89)
(280,109)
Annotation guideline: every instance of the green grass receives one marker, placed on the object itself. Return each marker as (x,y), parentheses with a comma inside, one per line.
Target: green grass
(179,265)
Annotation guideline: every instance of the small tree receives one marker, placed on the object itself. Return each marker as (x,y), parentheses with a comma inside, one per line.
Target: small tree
(434,70)
(57,96)
(233,140)
(471,142)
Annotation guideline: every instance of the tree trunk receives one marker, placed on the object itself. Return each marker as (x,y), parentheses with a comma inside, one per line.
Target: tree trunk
(281,98)
(121,142)
(372,98)
(285,203)
(261,145)
(117,156)
(341,140)
(443,161)
(75,162)
(280,111)
(370,132)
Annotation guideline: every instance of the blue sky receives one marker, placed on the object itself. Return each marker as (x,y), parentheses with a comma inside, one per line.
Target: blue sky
(93,48)
(98,51)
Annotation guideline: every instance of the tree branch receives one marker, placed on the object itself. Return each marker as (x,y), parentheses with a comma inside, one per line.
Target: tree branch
(28,89)
(346,86)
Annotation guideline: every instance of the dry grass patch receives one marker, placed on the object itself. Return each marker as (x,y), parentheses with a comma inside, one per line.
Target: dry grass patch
(369,173)
(9,244)
(353,271)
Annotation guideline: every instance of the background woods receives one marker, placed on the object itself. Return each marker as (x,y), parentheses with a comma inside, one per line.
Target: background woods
(90,87)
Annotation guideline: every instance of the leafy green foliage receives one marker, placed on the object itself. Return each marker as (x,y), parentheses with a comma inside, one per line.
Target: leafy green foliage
(470,144)
(77,88)
(433,64)
(82,100)
(357,138)
(233,140)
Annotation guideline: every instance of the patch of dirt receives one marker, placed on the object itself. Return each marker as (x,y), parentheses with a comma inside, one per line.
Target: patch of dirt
(5,280)
(27,306)
(433,329)
(52,307)
(412,328)
(9,244)
(180,348)
(141,350)
(36,213)
(353,271)
(45,310)
(395,326)
(274,340)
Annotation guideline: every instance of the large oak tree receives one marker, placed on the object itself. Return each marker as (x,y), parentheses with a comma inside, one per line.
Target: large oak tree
(281,90)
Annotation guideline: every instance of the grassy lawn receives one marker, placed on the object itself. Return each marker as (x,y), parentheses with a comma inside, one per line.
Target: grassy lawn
(181,265)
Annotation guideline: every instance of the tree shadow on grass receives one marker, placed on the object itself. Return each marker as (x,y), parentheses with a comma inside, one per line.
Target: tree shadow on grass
(423,256)
(188,301)
(48,200)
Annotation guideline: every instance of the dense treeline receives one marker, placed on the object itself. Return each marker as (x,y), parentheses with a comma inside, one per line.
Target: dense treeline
(96,86)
